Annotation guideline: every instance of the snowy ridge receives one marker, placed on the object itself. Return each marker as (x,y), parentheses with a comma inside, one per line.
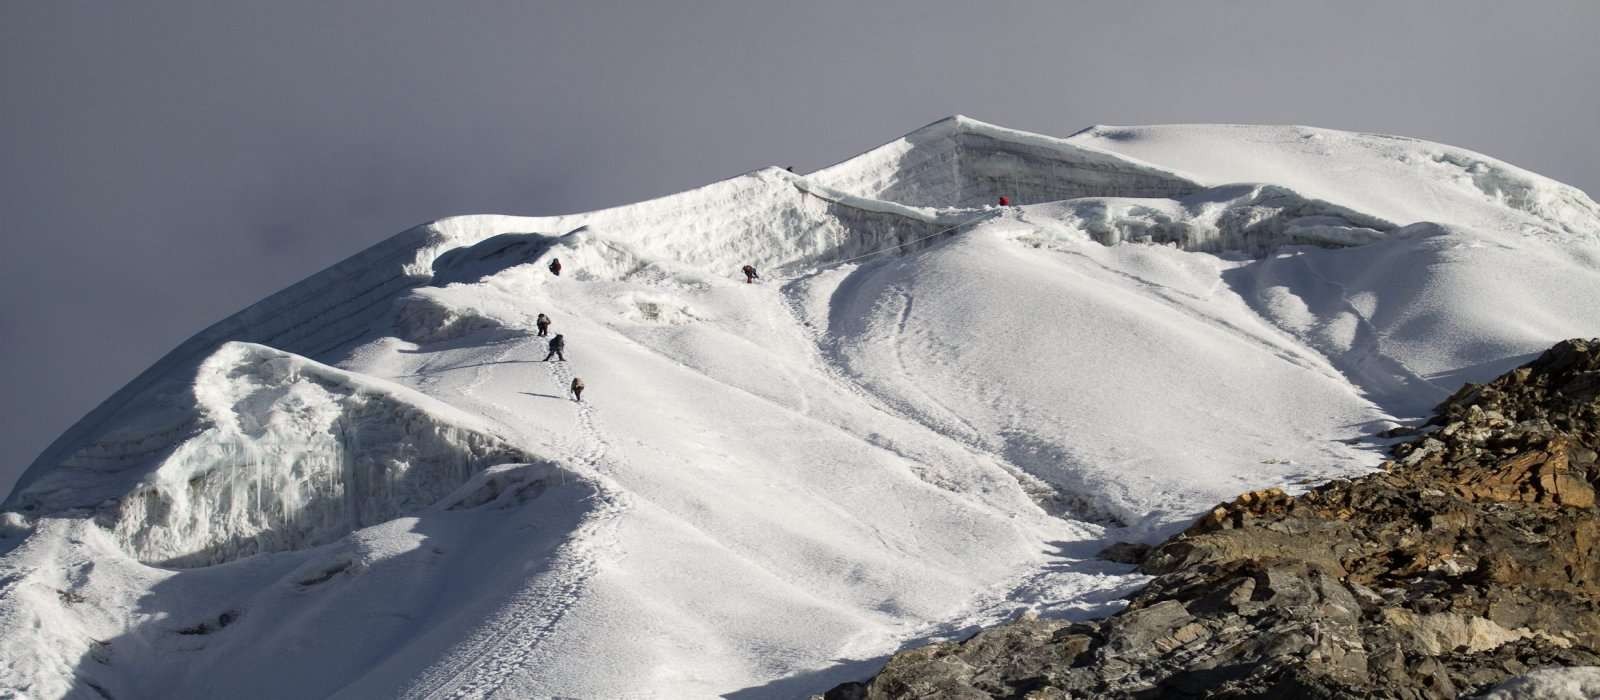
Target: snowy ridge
(961,161)
(1395,177)
(295,454)
(312,317)
(771,218)
(928,414)
(768,218)
(240,394)
(334,308)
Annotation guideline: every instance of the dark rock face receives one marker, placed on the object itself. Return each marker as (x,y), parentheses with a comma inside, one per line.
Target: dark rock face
(1472,557)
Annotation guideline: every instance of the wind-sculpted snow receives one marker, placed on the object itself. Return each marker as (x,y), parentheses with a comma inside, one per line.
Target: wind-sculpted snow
(1400,179)
(1254,219)
(770,218)
(286,454)
(422,317)
(929,412)
(965,162)
(1563,207)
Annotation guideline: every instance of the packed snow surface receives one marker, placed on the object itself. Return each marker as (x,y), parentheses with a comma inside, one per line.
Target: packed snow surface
(930,413)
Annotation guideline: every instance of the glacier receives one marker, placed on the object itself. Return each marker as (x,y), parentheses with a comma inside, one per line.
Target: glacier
(930,414)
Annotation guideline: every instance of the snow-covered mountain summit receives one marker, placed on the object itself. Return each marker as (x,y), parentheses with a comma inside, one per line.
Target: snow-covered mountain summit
(930,413)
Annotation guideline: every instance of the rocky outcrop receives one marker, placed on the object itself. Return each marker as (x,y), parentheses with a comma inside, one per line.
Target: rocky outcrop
(1472,557)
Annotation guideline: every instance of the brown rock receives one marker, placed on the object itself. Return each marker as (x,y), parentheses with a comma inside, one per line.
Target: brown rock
(1473,557)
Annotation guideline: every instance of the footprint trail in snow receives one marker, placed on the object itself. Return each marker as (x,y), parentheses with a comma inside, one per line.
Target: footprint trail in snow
(512,638)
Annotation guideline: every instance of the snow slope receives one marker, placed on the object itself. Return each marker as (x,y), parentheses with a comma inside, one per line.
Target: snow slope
(930,414)
(1509,265)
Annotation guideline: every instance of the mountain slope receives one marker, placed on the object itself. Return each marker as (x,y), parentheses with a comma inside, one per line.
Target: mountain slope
(932,413)
(1469,560)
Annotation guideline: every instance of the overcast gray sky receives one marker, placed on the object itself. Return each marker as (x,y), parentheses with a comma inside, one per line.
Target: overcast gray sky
(164,164)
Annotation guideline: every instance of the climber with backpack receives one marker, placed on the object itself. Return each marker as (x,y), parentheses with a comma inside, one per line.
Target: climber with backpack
(750,275)
(543,322)
(555,266)
(557,344)
(577,389)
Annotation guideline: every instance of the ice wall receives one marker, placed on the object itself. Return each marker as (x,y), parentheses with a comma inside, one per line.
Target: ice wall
(962,162)
(769,218)
(280,453)
(1252,219)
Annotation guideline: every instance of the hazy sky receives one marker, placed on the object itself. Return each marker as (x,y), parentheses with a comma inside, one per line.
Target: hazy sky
(164,164)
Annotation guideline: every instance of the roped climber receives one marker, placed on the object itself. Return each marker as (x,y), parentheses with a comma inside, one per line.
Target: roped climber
(750,275)
(543,322)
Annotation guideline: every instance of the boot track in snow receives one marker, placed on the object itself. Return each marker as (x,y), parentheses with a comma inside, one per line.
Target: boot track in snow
(513,636)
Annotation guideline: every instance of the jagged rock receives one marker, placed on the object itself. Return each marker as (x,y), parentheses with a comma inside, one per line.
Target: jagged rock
(1472,558)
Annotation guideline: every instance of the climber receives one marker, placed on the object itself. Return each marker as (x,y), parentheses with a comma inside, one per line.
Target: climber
(1005,201)
(543,322)
(577,389)
(555,266)
(750,275)
(790,168)
(557,344)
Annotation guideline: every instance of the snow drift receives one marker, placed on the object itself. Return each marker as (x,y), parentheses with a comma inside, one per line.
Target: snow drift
(930,414)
